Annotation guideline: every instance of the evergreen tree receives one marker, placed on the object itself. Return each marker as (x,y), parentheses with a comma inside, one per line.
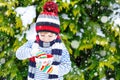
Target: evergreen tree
(94,56)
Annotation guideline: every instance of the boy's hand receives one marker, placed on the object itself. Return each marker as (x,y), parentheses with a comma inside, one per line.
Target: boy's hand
(35,49)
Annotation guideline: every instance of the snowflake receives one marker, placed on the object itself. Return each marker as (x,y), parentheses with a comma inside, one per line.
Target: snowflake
(111,79)
(65,16)
(95,73)
(100,33)
(103,53)
(75,44)
(2,61)
(104,19)
(113,44)
(104,78)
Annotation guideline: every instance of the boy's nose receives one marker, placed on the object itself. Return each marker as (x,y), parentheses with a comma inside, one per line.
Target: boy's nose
(46,39)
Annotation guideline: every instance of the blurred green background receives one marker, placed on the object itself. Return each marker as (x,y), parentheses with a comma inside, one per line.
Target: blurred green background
(90,35)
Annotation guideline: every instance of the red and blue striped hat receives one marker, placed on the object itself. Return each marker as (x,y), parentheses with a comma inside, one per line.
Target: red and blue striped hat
(48,20)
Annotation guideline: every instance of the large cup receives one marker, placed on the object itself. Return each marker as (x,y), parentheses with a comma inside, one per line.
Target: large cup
(43,60)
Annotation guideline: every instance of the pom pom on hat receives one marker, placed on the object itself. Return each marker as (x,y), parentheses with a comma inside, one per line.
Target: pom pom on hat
(48,20)
(51,7)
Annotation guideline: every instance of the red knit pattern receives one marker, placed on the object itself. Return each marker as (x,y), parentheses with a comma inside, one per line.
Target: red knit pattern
(48,28)
(49,13)
(58,37)
(32,59)
(50,7)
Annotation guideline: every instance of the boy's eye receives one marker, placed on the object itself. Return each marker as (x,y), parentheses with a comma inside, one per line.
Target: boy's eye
(50,36)
(42,35)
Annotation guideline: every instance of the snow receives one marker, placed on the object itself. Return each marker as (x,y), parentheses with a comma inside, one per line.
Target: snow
(104,19)
(103,53)
(79,34)
(104,78)
(100,33)
(65,16)
(115,16)
(27,14)
(113,44)
(96,74)
(2,61)
(31,33)
(97,1)
(68,1)
(111,79)
(75,44)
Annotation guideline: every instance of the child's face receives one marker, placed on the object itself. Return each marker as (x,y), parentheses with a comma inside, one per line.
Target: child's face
(47,36)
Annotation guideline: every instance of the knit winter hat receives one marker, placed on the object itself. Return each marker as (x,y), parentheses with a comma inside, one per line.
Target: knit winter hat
(48,20)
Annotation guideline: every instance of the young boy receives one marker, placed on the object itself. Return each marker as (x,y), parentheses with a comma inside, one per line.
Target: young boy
(47,42)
